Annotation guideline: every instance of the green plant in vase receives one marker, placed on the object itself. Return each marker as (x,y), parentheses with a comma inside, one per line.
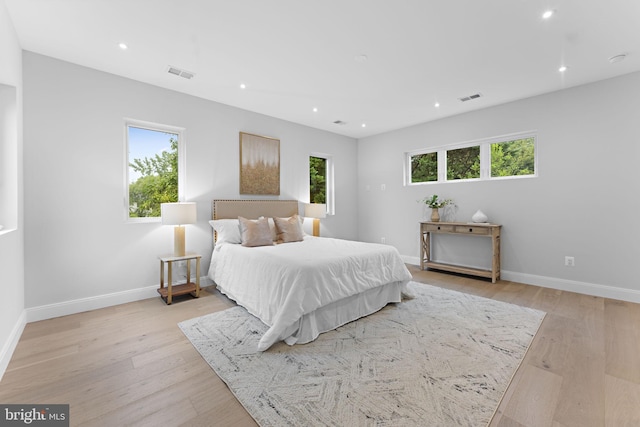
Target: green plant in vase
(435,204)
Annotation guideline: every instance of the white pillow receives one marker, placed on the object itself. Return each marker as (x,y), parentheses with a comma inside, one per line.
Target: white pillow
(227,230)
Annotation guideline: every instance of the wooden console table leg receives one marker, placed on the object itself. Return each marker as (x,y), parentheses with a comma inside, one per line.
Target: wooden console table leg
(495,249)
(425,253)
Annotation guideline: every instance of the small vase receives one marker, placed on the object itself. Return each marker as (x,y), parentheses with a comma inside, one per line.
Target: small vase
(435,215)
(479,217)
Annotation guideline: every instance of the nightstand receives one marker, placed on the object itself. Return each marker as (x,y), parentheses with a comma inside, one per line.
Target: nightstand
(187,288)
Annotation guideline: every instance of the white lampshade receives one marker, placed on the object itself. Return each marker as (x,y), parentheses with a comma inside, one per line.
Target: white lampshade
(178,213)
(315,210)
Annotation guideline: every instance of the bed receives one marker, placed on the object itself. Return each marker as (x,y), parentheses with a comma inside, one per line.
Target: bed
(304,285)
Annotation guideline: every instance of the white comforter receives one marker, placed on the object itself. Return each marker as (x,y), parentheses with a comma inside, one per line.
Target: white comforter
(280,284)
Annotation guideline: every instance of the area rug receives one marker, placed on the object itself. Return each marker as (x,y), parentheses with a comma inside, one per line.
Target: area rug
(441,358)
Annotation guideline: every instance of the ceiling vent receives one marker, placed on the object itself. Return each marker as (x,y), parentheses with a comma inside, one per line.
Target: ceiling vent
(470,97)
(182,73)
(339,122)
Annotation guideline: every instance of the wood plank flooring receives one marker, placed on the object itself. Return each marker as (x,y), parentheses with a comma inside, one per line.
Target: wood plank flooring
(131,365)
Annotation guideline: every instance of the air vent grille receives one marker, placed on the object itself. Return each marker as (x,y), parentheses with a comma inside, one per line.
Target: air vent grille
(470,97)
(181,73)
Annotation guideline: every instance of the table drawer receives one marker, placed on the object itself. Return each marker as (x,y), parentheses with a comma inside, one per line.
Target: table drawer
(441,228)
(471,229)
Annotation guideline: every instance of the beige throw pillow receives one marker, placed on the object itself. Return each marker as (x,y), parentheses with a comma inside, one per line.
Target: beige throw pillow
(289,229)
(255,233)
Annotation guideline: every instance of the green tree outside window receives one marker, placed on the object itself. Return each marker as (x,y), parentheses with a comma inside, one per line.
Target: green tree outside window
(156,180)
(424,167)
(513,158)
(463,163)
(317,180)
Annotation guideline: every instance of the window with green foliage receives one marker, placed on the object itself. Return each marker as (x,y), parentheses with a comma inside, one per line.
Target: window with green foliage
(317,180)
(153,168)
(424,167)
(492,158)
(321,189)
(463,163)
(513,158)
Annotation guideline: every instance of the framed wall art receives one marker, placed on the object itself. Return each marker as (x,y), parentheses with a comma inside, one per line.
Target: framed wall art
(259,165)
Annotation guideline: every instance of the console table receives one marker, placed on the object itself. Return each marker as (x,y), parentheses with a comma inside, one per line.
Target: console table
(461,228)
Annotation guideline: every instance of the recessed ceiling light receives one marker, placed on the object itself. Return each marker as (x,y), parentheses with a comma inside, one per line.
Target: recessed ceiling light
(123,46)
(617,58)
(547,14)
(315,110)
(364,125)
(562,69)
(243,86)
(437,104)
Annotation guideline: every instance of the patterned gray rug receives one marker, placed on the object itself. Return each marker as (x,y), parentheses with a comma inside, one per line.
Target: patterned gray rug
(443,358)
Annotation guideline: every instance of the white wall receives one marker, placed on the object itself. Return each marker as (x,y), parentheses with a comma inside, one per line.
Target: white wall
(8,156)
(79,247)
(12,317)
(584,203)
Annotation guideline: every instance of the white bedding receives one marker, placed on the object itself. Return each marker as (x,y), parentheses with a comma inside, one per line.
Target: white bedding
(281,284)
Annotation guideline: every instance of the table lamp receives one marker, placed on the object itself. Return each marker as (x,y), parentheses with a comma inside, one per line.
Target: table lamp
(315,211)
(178,214)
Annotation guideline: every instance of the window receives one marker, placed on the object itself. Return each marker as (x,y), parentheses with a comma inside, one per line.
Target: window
(463,163)
(321,181)
(513,158)
(494,158)
(317,180)
(155,171)
(424,167)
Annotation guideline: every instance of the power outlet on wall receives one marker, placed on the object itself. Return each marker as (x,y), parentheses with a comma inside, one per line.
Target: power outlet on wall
(569,261)
(383,240)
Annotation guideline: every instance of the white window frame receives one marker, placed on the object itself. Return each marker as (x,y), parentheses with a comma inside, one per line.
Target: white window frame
(181,132)
(330,195)
(485,159)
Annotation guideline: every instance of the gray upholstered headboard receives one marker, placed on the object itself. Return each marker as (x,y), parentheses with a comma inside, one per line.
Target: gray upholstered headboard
(253,209)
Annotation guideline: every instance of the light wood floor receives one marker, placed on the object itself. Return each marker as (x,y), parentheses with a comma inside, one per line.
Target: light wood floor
(131,365)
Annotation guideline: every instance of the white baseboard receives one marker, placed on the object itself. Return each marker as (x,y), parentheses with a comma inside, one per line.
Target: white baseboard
(65,308)
(586,288)
(10,345)
(49,311)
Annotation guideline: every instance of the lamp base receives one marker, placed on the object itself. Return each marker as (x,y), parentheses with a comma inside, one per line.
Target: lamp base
(316,227)
(178,241)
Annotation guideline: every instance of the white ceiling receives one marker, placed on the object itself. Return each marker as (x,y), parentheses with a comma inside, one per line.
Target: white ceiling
(294,55)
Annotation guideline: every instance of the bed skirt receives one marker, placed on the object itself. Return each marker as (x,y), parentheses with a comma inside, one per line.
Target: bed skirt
(336,314)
